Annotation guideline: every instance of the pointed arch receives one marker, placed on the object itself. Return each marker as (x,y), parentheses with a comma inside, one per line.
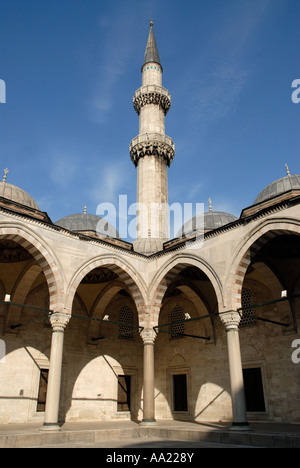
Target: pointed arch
(259,237)
(43,256)
(125,274)
(171,270)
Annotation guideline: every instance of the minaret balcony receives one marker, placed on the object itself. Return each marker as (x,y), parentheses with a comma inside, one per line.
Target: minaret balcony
(152,94)
(149,144)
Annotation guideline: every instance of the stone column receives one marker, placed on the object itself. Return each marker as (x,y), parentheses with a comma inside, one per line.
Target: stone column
(231,321)
(148,336)
(58,322)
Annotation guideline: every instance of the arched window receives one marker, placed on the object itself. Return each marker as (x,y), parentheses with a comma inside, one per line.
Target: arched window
(177,329)
(248,315)
(126,323)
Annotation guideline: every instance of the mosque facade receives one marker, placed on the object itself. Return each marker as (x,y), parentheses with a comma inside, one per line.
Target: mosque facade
(202,327)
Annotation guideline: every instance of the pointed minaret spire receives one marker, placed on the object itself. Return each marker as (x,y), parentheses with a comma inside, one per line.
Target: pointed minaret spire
(151,53)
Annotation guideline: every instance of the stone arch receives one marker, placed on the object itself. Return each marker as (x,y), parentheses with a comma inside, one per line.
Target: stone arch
(260,236)
(167,275)
(125,274)
(100,304)
(44,258)
(21,290)
(104,297)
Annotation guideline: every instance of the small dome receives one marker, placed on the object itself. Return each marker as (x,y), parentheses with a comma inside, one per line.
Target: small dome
(280,186)
(212,220)
(87,223)
(15,194)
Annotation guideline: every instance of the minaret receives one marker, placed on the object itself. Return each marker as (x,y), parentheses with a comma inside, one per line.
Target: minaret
(152,152)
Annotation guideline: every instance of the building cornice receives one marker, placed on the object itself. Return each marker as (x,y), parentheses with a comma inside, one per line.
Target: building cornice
(170,246)
(181,243)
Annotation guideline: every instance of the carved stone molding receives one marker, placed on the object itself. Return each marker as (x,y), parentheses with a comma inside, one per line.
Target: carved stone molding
(152,94)
(152,98)
(148,336)
(152,144)
(231,320)
(59,321)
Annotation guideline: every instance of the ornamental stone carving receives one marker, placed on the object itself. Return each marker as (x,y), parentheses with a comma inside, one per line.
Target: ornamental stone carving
(231,320)
(152,94)
(148,336)
(152,144)
(59,321)
(152,98)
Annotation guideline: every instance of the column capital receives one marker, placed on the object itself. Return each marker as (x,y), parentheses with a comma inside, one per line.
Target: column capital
(59,321)
(230,320)
(148,336)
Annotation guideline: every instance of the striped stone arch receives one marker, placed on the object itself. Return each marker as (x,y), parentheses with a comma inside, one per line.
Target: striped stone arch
(125,274)
(167,275)
(261,236)
(44,258)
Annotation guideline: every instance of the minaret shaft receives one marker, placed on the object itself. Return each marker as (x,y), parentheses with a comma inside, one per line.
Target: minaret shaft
(152,152)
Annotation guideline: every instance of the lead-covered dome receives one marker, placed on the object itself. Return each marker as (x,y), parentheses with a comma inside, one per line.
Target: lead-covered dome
(208,221)
(88,224)
(17,195)
(278,187)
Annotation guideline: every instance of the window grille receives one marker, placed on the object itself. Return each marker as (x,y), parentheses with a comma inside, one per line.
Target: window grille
(177,329)
(126,322)
(248,315)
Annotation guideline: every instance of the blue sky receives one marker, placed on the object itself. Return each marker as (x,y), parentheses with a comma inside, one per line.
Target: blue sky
(71,68)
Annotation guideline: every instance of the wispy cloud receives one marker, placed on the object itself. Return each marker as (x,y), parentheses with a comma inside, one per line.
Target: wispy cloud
(63,168)
(114,54)
(212,84)
(110,181)
(214,96)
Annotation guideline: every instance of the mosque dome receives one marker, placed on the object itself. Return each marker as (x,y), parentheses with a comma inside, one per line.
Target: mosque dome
(88,224)
(17,195)
(212,220)
(278,187)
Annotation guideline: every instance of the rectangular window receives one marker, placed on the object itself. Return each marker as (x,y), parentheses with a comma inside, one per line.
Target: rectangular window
(254,392)
(41,402)
(180,392)
(124,387)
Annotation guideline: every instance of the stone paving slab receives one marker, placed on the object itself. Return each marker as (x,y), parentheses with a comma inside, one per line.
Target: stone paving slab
(117,432)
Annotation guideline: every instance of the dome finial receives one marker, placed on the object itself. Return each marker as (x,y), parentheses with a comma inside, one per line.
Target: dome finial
(287,170)
(85,209)
(6,171)
(210,205)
